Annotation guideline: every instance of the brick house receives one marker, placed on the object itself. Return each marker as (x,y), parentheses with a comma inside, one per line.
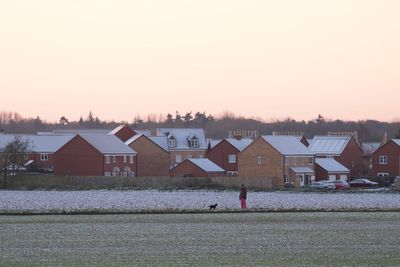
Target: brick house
(153,156)
(225,153)
(386,159)
(368,148)
(330,169)
(123,132)
(95,155)
(41,148)
(282,157)
(197,168)
(183,143)
(344,149)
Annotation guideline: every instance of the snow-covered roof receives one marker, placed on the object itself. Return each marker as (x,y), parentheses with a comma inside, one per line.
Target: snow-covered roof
(397,141)
(183,136)
(331,165)
(37,143)
(117,129)
(108,144)
(287,145)
(213,142)
(239,144)
(207,165)
(302,170)
(81,131)
(329,145)
(161,141)
(369,148)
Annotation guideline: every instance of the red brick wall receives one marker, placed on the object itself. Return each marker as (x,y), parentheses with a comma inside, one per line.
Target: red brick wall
(392,150)
(190,169)
(125,133)
(42,164)
(119,162)
(272,161)
(219,155)
(352,159)
(79,158)
(152,160)
(320,173)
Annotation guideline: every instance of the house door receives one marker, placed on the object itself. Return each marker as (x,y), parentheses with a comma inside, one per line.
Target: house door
(301,179)
(332,177)
(343,177)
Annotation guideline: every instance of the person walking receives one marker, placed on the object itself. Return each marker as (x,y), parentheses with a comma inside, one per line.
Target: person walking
(243,197)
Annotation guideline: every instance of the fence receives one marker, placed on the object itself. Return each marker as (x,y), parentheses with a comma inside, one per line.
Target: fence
(74,183)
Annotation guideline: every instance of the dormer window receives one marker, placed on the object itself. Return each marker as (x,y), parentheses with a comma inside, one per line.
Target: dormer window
(172,142)
(194,142)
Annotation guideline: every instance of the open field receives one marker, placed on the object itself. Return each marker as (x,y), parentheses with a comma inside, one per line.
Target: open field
(212,239)
(150,200)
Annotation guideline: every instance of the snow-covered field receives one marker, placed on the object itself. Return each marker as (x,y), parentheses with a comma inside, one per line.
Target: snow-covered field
(198,199)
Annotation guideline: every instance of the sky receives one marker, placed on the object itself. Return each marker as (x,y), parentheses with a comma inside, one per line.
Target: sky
(265,59)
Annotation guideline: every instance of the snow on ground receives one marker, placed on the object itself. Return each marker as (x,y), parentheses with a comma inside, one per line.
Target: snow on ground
(185,199)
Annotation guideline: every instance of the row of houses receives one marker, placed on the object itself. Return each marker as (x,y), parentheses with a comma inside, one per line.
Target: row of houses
(187,152)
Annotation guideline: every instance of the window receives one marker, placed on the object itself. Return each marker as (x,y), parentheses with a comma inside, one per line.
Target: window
(172,142)
(286,161)
(232,158)
(178,158)
(107,159)
(189,156)
(383,160)
(107,174)
(259,160)
(125,158)
(114,158)
(131,159)
(26,156)
(116,171)
(232,173)
(383,174)
(200,156)
(286,178)
(194,142)
(310,160)
(44,157)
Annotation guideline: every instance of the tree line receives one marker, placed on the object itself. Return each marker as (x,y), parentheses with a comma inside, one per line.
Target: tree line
(215,126)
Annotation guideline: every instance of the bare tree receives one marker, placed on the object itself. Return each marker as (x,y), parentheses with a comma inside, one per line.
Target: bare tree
(13,156)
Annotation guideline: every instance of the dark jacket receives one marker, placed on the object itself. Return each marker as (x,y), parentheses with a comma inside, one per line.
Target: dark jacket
(243,193)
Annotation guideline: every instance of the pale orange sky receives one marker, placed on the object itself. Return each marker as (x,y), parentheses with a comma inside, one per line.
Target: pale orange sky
(267,59)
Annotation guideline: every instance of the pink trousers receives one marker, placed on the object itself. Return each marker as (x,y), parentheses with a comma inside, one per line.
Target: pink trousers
(243,203)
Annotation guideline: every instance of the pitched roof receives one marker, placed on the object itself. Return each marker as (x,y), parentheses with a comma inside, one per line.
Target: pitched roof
(183,135)
(213,142)
(107,144)
(397,141)
(117,129)
(206,165)
(331,165)
(81,131)
(161,141)
(287,145)
(329,145)
(369,148)
(37,143)
(239,144)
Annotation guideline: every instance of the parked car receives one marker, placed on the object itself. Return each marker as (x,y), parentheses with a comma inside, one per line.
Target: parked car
(362,183)
(322,185)
(340,184)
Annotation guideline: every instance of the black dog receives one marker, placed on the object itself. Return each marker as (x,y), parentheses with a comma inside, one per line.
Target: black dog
(212,207)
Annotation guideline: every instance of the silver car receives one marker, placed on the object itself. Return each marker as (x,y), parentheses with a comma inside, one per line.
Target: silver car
(323,185)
